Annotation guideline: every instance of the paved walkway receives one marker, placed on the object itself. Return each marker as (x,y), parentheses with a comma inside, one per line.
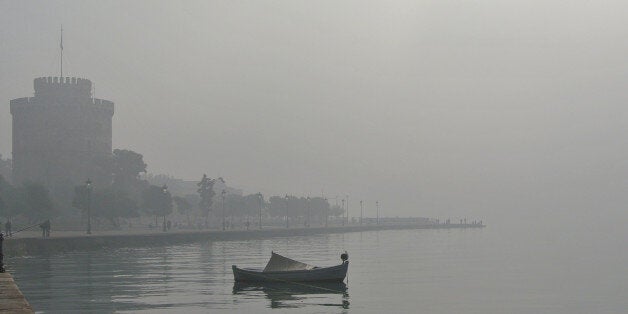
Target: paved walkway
(74,233)
(36,233)
(11,298)
(55,233)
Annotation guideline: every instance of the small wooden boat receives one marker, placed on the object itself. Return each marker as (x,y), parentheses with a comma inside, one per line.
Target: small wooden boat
(283,269)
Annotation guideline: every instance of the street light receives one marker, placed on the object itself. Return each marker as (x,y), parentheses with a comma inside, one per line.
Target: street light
(287,221)
(259,196)
(361,212)
(223,208)
(347,209)
(377,204)
(164,191)
(343,207)
(307,222)
(88,186)
(326,213)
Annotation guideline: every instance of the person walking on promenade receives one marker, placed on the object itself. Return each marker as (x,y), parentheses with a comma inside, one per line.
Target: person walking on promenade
(7,228)
(45,229)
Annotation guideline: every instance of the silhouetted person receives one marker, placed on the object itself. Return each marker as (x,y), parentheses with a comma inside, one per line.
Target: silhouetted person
(7,228)
(169,225)
(47,222)
(45,228)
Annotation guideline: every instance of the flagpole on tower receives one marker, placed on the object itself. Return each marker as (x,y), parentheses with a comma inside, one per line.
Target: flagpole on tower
(61,46)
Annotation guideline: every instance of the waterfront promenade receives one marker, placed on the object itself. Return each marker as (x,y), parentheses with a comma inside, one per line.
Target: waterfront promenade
(66,241)
(11,298)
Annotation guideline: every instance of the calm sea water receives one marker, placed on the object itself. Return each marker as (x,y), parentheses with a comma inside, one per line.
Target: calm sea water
(493,270)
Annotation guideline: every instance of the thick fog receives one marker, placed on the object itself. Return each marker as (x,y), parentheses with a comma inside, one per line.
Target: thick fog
(499,110)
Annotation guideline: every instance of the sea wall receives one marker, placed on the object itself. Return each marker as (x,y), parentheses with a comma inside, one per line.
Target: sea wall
(37,246)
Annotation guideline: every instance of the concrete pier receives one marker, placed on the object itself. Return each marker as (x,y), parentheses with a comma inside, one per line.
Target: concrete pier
(11,298)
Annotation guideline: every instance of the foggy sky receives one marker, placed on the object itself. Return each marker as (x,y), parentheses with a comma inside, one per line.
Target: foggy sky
(500,109)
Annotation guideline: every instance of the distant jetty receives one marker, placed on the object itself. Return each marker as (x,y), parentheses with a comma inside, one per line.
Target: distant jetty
(36,246)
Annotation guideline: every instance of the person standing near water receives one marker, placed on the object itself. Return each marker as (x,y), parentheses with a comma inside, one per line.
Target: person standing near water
(7,228)
(45,228)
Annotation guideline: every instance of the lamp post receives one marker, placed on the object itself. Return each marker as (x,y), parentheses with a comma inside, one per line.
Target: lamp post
(343,207)
(326,213)
(88,187)
(259,196)
(287,221)
(347,209)
(164,191)
(361,212)
(222,194)
(307,222)
(377,205)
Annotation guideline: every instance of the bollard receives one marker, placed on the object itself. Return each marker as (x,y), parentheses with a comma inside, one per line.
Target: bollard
(1,253)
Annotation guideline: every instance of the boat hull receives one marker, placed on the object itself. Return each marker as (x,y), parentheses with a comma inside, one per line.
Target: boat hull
(323,274)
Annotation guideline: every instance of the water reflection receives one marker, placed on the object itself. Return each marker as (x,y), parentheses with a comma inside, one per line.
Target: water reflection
(295,295)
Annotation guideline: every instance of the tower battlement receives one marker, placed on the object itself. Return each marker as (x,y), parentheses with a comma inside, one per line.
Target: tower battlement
(28,103)
(62,136)
(55,86)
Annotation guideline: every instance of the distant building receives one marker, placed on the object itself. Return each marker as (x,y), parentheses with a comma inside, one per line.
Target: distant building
(62,136)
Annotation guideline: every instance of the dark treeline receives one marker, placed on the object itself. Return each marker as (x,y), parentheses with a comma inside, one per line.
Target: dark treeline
(29,200)
(5,167)
(131,196)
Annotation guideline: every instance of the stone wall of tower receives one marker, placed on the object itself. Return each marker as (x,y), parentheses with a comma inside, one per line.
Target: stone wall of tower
(62,136)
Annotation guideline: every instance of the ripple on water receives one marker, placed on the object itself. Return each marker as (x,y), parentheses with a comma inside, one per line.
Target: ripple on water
(436,271)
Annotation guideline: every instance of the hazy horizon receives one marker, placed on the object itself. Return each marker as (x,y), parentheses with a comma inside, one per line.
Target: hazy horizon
(482,109)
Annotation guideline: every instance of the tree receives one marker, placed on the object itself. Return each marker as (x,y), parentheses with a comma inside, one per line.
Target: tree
(5,168)
(319,207)
(79,200)
(157,201)
(112,205)
(336,211)
(37,202)
(277,206)
(3,205)
(184,207)
(252,203)
(108,203)
(235,205)
(206,193)
(127,166)
(12,199)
